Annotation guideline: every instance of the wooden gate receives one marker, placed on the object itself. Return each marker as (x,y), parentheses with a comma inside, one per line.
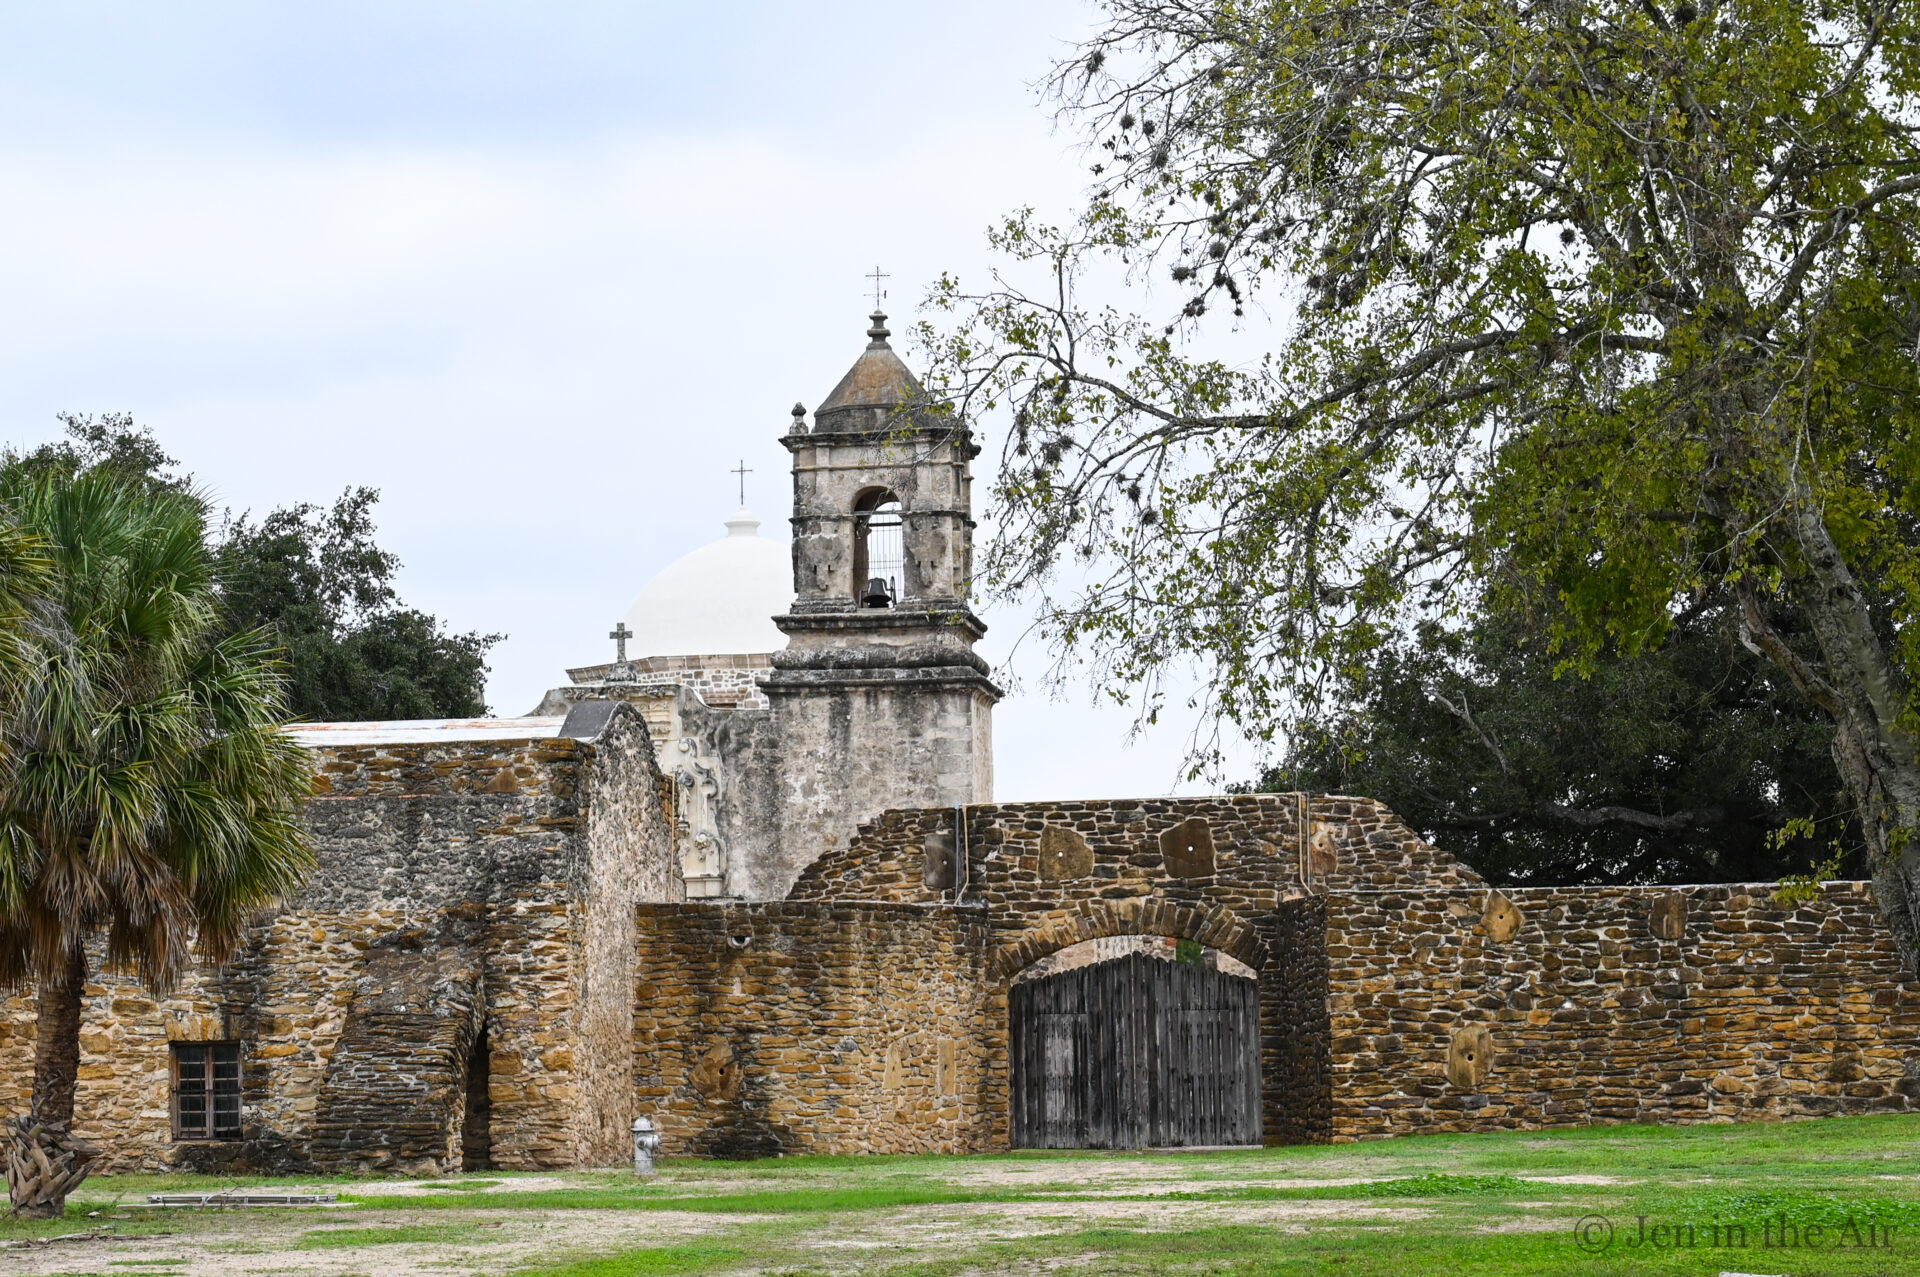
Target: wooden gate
(1136,1052)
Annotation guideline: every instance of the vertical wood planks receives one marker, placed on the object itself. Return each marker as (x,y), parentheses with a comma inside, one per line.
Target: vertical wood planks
(1134,1053)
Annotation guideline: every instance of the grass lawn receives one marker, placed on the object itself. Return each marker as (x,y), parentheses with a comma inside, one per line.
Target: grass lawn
(1839,1196)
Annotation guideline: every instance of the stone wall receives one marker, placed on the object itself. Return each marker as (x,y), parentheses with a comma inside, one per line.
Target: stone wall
(853,742)
(1682,1004)
(727,680)
(1237,873)
(629,858)
(287,995)
(460,884)
(790,1028)
(1296,1028)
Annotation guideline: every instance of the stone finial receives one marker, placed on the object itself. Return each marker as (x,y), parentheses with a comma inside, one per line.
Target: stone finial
(1502,918)
(1470,1055)
(799,418)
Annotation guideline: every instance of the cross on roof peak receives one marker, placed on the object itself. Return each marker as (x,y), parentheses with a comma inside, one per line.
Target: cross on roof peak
(620,634)
(879,293)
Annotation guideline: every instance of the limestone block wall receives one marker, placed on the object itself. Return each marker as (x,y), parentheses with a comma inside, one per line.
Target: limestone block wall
(394,1094)
(727,680)
(498,872)
(1263,848)
(286,995)
(852,743)
(1296,1030)
(818,1027)
(1742,1009)
(1240,873)
(495,827)
(630,857)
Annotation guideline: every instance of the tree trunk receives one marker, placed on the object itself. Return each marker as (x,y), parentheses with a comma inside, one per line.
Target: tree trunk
(45,1161)
(1865,690)
(56,1044)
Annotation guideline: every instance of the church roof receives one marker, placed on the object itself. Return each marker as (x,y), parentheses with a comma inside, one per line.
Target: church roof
(877,379)
(719,599)
(421,731)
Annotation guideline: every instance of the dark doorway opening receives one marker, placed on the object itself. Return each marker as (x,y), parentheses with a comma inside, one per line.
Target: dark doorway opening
(476,1130)
(1135,1052)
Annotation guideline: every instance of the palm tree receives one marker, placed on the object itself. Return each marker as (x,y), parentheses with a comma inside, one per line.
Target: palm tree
(148,798)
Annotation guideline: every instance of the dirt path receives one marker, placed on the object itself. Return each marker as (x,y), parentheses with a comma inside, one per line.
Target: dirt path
(493,1241)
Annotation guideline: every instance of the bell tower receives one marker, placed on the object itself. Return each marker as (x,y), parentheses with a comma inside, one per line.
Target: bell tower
(878,699)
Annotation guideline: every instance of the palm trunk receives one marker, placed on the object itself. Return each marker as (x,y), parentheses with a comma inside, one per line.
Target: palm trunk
(56,1044)
(45,1160)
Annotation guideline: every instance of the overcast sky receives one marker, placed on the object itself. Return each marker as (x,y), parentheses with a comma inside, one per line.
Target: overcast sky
(540,272)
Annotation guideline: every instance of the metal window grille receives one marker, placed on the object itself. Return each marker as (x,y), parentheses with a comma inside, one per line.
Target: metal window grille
(886,550)
(206,1090)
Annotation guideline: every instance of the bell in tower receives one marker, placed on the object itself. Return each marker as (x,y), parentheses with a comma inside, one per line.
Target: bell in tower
(882,492)
(878,700)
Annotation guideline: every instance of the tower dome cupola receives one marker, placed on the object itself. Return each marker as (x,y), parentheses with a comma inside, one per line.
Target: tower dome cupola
(877,386)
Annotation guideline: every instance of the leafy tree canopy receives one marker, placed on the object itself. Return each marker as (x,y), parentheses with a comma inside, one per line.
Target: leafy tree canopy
(1683,764)
(1607,303)
(316,579)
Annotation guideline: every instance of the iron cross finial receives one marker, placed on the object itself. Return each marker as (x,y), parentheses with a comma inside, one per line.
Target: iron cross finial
(620,635)
(743,470)
(879,293)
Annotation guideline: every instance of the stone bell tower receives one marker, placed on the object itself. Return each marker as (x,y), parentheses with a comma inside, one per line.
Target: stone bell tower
(878,700)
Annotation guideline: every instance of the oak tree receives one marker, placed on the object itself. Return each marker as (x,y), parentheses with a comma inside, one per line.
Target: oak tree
(1608,302)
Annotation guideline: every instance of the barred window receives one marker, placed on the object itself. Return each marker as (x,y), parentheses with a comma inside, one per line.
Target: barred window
(879,550)
(206,1090)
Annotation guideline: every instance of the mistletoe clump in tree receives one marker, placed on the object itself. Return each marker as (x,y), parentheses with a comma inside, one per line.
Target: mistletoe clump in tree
(1610,305)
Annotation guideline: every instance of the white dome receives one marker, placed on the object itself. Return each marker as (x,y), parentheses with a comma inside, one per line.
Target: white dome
(720,599)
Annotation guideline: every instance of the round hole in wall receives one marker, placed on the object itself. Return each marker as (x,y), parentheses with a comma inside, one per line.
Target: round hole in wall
(738,942)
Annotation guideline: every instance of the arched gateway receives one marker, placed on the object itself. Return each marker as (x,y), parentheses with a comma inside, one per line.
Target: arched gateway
(881,1007)
(1155,1046)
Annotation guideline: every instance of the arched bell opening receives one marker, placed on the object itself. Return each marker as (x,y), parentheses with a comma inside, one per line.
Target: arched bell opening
(879,549)
(1134,1041)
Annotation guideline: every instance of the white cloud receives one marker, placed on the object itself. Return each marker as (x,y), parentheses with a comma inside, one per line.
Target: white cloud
(547,354)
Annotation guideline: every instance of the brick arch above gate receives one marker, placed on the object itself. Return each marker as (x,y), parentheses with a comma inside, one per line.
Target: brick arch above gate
(1215,926)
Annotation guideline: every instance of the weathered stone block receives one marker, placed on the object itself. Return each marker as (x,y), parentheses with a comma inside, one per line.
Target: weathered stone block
(1064,854)
(1187,848)
(1667,916)
(1501,918)
(717,1075)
